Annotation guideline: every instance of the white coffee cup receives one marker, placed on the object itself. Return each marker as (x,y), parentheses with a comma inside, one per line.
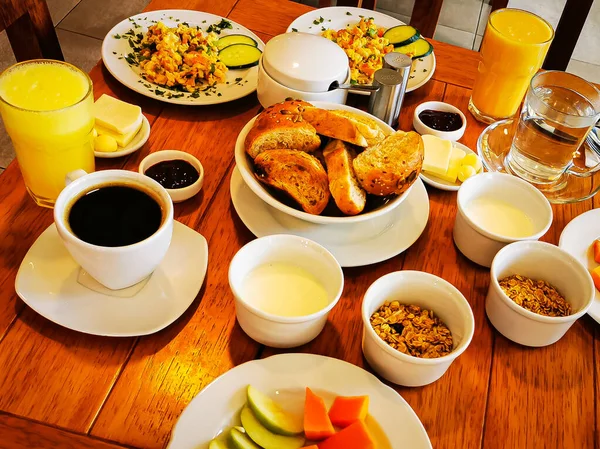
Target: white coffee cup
(122,266)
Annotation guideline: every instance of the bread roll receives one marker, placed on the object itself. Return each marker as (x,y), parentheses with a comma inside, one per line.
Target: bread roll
(367,126)
(349,196)
(333,125)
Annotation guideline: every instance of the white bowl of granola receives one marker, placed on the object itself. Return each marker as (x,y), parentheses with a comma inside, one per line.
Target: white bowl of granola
(415,325)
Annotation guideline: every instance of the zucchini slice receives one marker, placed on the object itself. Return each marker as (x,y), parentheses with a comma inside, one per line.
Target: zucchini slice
(402,35)
(231,39)
(240,56)
(417,49)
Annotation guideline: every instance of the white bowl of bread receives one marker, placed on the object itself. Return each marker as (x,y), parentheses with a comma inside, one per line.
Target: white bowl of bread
(327,163)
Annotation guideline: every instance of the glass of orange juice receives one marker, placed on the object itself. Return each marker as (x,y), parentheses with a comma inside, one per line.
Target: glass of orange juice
(513,49)
(46,107)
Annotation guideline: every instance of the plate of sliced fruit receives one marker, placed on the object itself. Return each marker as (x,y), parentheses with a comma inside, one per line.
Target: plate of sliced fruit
(293,401)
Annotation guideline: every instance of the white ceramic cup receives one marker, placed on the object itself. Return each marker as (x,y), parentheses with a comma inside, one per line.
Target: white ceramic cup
(429,292)
(278,331)
(481,245)
(538,261)
(115,267)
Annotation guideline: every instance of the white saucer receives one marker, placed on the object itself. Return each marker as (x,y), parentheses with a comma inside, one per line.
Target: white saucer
(576,239)
(138,141)
(352,245)
(47,282)
(439,183)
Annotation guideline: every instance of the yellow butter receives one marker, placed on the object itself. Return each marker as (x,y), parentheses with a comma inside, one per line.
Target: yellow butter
(456,159)
(437,154)
(116,115)
(122,139)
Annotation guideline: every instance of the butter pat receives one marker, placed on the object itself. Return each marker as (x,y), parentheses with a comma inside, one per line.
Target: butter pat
(116,115)
(122,139)
(437,154)
(456,160)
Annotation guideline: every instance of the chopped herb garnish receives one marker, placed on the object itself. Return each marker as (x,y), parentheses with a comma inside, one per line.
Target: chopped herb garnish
(160,93)
(212,68)
(237,80)
(348,13)
(117,36)
(294,30)
(195,94)
(219,94)
(424,70)
(362,17)
(185,24)
(323,29)
(131,59)
(420,59)
(114,52)
(217,27)
(204,21)
(353,82)
(410,77)
(318,21)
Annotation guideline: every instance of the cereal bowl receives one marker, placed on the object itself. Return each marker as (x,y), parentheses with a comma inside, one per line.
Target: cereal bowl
(538,261)
(428,292)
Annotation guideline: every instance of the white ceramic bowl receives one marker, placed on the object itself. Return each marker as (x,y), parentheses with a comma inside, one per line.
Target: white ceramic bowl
(422,128)
(177,195)
(244,164)
(539,261)
(270,92)
(481,245)
(278,331)
(305,62)
(429,292)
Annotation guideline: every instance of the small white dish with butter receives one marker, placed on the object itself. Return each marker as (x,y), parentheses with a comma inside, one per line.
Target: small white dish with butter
(495,209)
(284,287)
(120,128)
(447,164)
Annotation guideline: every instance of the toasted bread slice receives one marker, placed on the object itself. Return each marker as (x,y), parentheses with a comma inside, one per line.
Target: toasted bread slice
(281,126)
(391,166)
(349,196)
(367,126)
(333,125)
(296,173)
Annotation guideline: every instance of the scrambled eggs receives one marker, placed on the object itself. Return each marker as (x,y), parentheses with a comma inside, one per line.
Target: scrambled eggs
(180,57)
(365,46)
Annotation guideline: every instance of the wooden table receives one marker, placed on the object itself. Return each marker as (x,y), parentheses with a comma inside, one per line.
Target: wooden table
(63,389)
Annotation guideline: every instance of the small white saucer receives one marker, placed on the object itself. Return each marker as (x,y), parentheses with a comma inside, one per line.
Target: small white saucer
(576,239)
(439,183)
(354,245)
(47,282)
(138,141)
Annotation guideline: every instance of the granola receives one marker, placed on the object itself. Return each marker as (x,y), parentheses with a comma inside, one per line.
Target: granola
(412,330)
(536,296)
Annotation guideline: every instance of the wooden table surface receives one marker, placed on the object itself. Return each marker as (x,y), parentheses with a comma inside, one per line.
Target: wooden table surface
(63,389)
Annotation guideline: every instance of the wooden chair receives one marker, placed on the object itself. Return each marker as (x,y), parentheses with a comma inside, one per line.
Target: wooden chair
(30,30)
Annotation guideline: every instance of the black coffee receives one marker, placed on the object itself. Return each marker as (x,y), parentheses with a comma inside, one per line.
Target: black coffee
(115,215)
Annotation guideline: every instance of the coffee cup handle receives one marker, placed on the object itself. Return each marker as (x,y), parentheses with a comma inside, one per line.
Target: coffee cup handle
(592,163)
(72,176)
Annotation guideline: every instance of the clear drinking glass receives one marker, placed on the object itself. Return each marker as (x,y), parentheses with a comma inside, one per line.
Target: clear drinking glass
(46,107)
(559,111)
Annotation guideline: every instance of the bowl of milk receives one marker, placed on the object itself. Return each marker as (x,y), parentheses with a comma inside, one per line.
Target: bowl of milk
(495,209)
(284,288)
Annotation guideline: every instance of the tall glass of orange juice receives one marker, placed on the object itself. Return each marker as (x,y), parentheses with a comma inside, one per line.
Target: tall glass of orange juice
(46,107)
(513,49)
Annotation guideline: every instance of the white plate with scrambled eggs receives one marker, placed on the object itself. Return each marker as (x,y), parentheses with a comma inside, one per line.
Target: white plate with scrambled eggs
(363,53)
(173,56)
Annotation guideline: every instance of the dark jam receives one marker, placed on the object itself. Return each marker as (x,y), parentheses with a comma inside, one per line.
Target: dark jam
(441,121)
(174,174)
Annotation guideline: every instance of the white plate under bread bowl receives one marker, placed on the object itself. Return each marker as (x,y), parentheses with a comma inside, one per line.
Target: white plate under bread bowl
(245,167)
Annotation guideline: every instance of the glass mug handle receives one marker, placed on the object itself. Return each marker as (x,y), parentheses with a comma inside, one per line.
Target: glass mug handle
(589,155)
(74,175)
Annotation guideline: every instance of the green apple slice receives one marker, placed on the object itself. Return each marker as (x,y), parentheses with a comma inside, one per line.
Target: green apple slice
(240,440)
(218,444)
(272,416)
(264,437)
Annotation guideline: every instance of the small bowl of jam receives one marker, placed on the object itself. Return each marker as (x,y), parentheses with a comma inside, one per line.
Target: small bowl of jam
(440,119)
(180,173)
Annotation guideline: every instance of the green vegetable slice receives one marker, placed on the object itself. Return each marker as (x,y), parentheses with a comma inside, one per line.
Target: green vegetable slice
(417,49)
(402,35)
(240,56)
(231,39)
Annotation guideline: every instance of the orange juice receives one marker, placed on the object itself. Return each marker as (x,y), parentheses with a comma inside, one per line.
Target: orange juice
(513,50)
(46,107)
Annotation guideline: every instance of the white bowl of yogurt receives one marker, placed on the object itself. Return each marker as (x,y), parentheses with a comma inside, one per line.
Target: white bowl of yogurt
(284,288)
(495,209)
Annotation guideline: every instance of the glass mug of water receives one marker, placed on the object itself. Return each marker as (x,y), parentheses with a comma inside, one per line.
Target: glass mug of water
(558,112)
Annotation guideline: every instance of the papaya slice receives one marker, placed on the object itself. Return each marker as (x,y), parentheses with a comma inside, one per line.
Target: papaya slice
(317,425)
(346,410)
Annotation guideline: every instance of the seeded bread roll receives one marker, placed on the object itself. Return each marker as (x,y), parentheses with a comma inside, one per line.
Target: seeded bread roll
(391,166)
(281,126)
(296,173)
(329,124)
(349,196)
(367,126)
